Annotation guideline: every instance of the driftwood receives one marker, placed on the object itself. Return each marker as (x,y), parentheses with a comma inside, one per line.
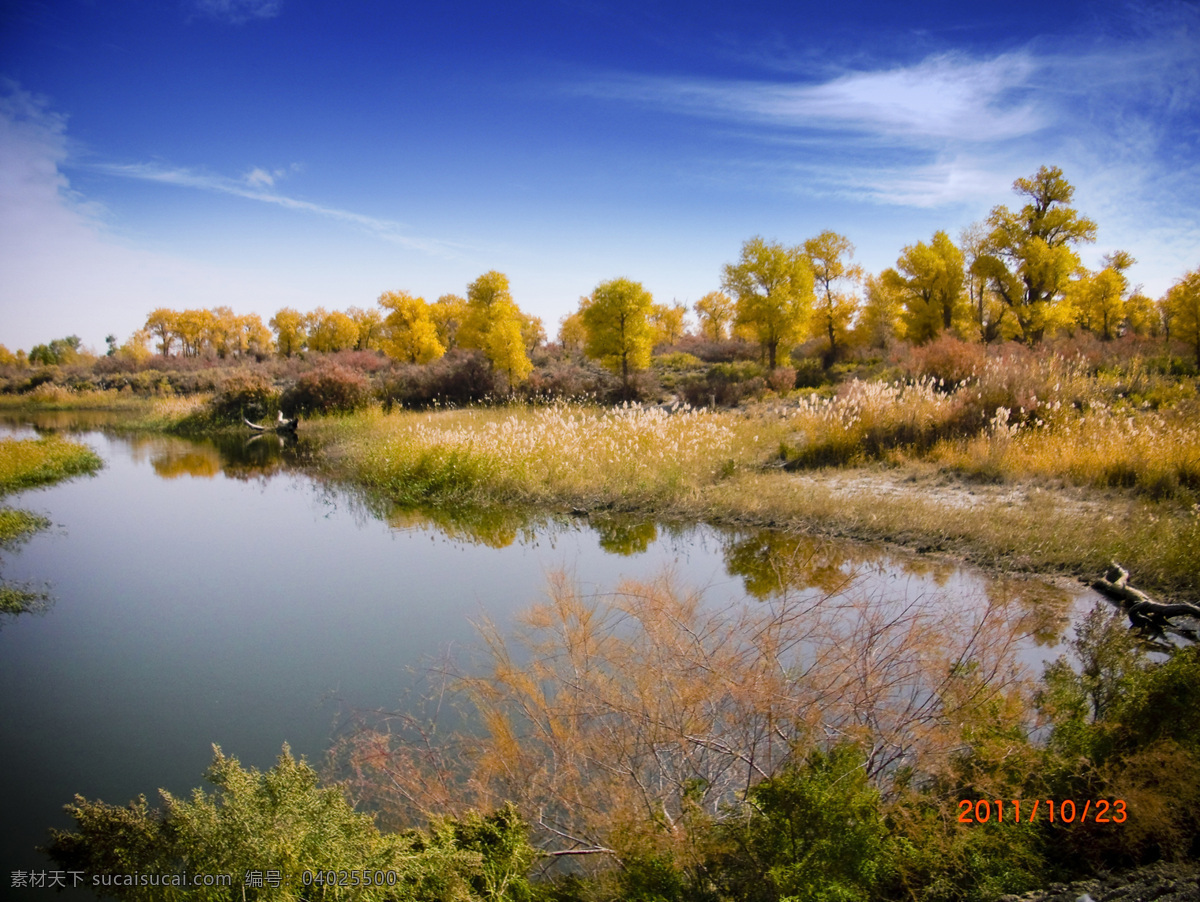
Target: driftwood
(280,424)
(1141,608)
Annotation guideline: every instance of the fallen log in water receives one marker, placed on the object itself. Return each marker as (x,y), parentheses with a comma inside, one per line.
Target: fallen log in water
(1141,608)
(280,424)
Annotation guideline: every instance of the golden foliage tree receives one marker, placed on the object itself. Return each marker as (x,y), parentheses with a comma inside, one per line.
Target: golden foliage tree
(330,331)
(617,321)
(879,320)
(161,324)
(668,324)
(833,310)
(1029,255)
(290,333)
(571,332)
(716,313)
(493,325)
(1097,299)
(449,312)
(1183,304)
(533,331)
(774,290)
(370,327)
(410,333)
(930,286)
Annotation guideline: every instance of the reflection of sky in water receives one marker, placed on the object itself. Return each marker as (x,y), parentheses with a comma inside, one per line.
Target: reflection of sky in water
(194,608)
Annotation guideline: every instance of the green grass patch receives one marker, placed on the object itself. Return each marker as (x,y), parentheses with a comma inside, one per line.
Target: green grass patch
(26,463)
(18,525)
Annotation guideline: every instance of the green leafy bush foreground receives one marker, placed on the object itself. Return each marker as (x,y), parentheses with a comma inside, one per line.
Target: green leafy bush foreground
(281,836)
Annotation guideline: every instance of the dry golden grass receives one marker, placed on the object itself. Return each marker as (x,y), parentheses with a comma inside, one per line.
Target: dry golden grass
(627,456)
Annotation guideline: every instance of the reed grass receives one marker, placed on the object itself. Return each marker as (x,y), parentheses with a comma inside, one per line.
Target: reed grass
(50,396)
(629,456)
(1156,453)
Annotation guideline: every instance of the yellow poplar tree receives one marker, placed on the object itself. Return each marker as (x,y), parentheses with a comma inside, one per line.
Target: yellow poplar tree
(493,325)
(1097,299)
(370,327)
(330,330)
(668,323)
(774,290)
(833,311)
(288,324)
(571,332)
(192,328)
(716,314)
(1028,257)
(161,324)
(879,321)
(930,286)
(617,322)
(1183,306)
(448,312)
(411,334)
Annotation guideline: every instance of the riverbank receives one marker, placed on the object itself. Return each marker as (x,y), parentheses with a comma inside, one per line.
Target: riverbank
(1063,493)
(733,467)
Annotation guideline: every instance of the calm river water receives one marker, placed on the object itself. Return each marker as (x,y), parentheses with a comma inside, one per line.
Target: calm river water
(206,595)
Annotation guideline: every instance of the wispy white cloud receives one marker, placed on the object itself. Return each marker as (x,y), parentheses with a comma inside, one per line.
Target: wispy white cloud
(1119,112)
(944,97)
(254,185)
(61,271)
(65,269)
(239,11)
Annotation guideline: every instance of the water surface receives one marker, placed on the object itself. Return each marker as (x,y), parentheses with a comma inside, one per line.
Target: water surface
(213,593)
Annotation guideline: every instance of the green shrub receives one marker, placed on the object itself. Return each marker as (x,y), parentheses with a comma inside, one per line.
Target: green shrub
(812,832)
(283,821)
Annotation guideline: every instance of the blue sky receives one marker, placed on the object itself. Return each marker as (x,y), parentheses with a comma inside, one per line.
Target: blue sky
(269,153)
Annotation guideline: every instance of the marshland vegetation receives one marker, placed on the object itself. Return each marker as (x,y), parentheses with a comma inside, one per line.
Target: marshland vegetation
(992,400)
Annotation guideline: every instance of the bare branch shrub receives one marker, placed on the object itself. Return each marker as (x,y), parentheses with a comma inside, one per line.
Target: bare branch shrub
(627,725)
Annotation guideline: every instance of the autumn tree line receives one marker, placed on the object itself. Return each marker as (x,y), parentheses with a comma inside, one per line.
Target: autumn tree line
(1015,276)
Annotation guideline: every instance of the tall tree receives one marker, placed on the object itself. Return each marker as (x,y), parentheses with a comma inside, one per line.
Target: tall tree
(1097,301)
(161,324)
(370,327)
(533,331)
(493,325)
(667,321)
(1029,255)
(617,321)
(193,327)
(879,320)
(1183,305)
(987,310)
(448,312)
(330,330)
(773,286)
(716,313)
(930,285)
(288,324)
(411,333)
(833,310)
(572,335)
